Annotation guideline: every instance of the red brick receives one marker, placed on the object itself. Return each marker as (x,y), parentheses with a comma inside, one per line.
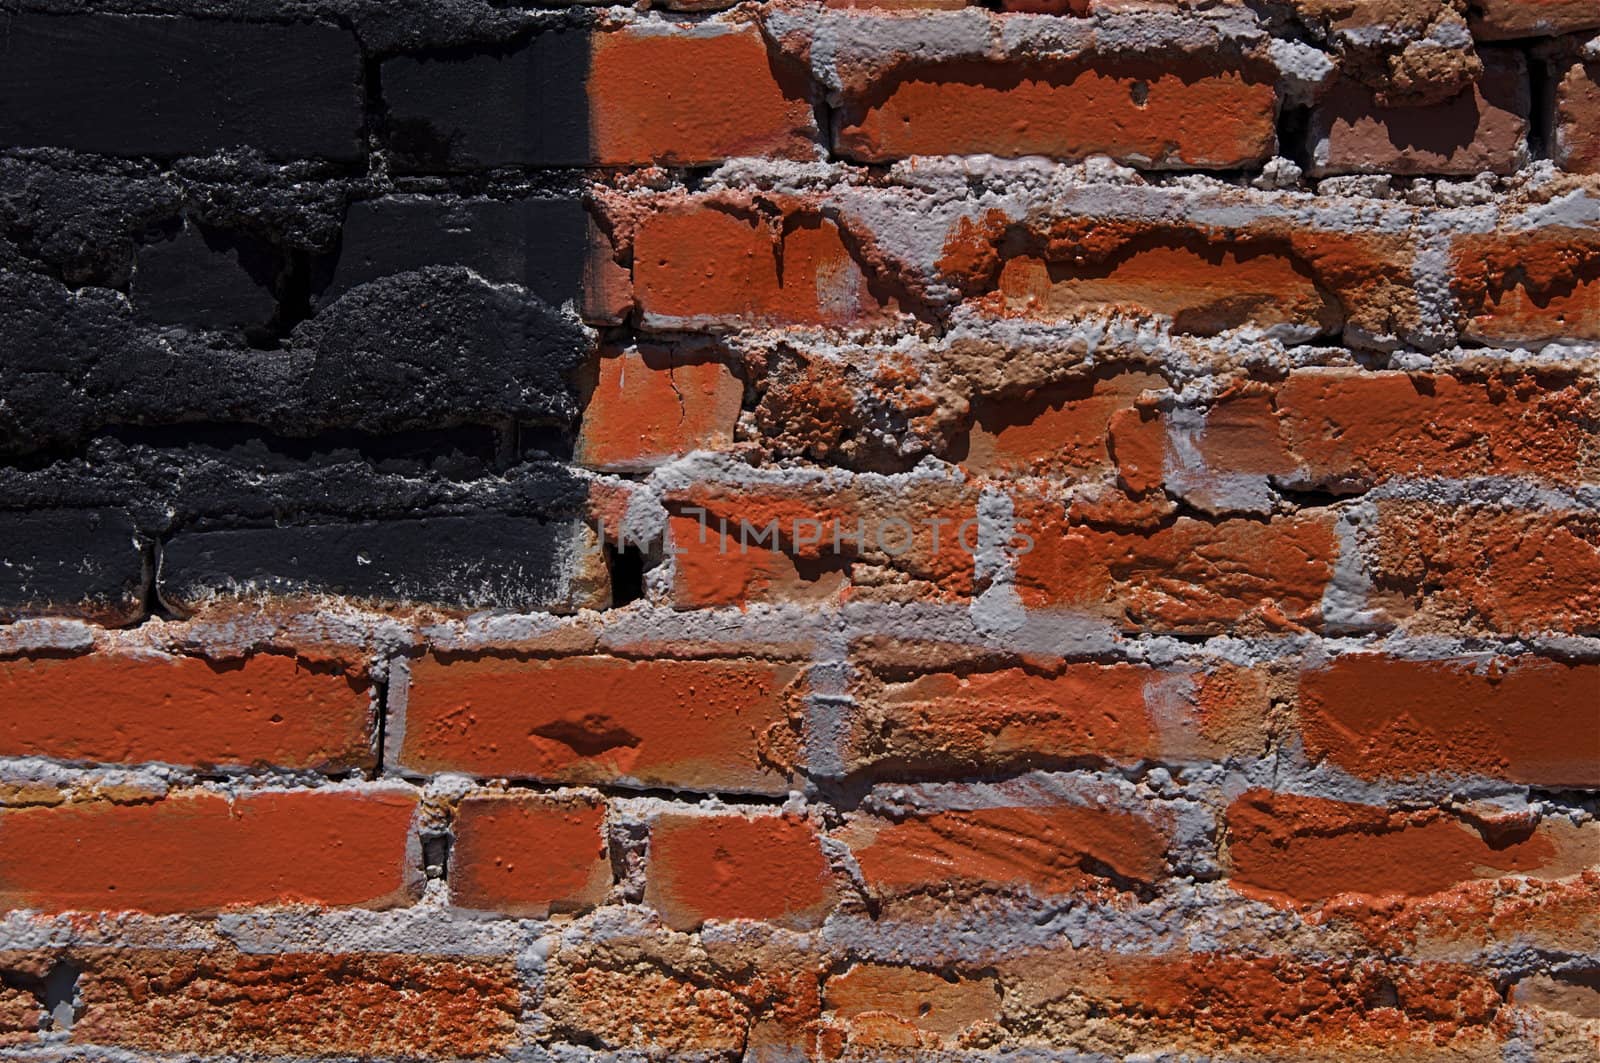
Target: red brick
(1525,720)
(688,96)
(651,405)
(1289,849)
(1361,426)
(1493,570)
(264,710)
(1576,126)
(1510,19)
(1190,576)
(1336,1007)
(1059,431)
(1014,717)
(1210,118)
(1529,287)
(918,999)
(1200,292)
(1051,850)
(809,543)
(201,852)
(677,724)
(699,266)
(1483,128)
(298,1004)
(731,866)
(526,855)
(711,567)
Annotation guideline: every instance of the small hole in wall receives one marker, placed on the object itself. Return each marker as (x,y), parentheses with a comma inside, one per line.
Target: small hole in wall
(60,998)
(1139,91)
(627,574)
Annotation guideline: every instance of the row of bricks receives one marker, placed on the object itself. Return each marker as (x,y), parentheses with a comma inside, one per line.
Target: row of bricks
(528,855)
(709,1005)
(119,85)
(740,725)
(1419,565)
(1344,428)
(713,262)
(724,262)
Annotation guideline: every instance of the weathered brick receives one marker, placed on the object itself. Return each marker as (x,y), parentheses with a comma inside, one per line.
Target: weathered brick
(1528,287)
(1290,849)
(730,866)
(1267,1004)
(487,560)
(691,95)
(201,852)
(1353,427)
(526,855)
(1200,115)
(267,710)
(1509,19)
(712,567)
(71,562)
(1060,431)
(1505,571)
(1575,124)
(1525,720)
(649,405)
(1057,849)
(677,724)
(1483,128)
(131,85)
(1020,717)
(908,997)
(1191,575)
(701,266)
(1201,292)
(297,1003)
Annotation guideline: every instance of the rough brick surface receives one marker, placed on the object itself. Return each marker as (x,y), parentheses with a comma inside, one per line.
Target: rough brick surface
(800,530)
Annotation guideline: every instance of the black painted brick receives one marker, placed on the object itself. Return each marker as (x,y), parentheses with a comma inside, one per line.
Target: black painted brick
(164,87)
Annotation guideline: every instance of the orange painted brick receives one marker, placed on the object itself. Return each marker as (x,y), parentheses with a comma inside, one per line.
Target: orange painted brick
(201,852)
(1363,426)
(1291,849)
(267,709)
(737,867)
(697,266)
(297,1004)
(1191,575)
(1528,721)
(526,855)
(677,724)
(1484,128)
(651,405)
(1050,850)
(1575,126)
(1015,717)
(1503,571)
(1208,118)
(1529,287)
(691,96)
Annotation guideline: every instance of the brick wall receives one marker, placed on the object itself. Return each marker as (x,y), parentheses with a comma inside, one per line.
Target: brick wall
(816,529)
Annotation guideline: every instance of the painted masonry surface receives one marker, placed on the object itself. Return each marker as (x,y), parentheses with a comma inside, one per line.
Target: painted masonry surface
(1050,530)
